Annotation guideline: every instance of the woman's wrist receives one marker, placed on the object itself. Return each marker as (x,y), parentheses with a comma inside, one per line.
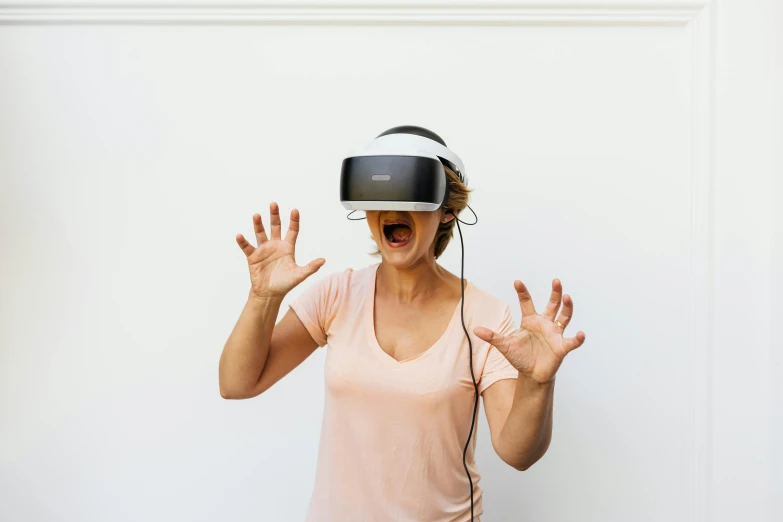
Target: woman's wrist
(529,384)
(262,303)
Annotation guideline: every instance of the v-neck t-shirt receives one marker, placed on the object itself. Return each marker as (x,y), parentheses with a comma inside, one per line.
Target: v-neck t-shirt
(393,432)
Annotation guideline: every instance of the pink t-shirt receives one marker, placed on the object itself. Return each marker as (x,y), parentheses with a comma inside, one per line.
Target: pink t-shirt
(393,433)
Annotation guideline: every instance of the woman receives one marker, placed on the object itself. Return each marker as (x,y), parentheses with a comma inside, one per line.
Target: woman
(399,392)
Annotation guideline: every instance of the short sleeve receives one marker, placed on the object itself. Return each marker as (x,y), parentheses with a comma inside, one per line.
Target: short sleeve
(497,366)
(318,304)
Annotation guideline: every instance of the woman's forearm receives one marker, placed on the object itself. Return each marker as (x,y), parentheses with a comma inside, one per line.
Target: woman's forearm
(246,349)
(528,429)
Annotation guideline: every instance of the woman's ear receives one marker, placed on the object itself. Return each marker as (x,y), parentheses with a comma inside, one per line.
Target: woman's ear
(448,215)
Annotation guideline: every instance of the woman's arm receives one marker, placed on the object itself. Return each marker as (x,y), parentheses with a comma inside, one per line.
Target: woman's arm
(519,413)
(245,352)
(258,353)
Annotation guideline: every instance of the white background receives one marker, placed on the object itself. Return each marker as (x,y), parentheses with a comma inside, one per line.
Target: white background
(633,151)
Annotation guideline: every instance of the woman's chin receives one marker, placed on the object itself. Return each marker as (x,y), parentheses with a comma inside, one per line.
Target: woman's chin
(393,253)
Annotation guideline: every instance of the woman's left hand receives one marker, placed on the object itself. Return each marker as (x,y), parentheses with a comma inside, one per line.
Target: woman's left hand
(538,347)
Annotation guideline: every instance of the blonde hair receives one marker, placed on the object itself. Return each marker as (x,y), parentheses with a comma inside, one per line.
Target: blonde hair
(457,202)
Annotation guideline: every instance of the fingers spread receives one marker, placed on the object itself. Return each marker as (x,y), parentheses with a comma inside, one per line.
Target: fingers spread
(293,227)
(246,247)
(258,227)
(554,300)
(274,218)
(525,300)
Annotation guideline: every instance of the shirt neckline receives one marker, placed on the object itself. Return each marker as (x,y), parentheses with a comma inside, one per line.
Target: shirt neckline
(369,318)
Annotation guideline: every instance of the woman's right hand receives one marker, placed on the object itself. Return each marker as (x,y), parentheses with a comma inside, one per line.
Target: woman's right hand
(273,270)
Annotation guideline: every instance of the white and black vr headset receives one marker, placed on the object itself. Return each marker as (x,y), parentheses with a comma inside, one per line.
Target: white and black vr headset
(401,169)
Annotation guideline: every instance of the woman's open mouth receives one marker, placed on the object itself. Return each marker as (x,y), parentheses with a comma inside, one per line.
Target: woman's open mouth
(397,232)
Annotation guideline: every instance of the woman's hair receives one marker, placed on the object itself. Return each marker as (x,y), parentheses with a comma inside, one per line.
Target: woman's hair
(458,200)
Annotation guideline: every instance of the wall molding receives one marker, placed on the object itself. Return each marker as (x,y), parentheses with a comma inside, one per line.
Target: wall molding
(367,12)
(697,18)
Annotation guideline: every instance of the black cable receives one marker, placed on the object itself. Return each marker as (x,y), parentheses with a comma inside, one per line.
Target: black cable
(458,219)
(455,217)
(470,354)
(354,219)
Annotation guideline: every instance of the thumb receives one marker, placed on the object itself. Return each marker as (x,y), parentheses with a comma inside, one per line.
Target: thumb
(498,341)
(311,267)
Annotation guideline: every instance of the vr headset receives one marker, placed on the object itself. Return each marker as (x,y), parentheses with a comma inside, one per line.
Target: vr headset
(401,169)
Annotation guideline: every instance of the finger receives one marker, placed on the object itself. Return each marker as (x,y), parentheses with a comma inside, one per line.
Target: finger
(572,343)
(311,268)
(500,342)
(525,300)
(293,227)
(554,300)
(258,227)
(567,312)
(274,218)
(246,247)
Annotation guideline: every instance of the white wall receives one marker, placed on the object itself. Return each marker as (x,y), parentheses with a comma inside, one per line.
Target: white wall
(747,426)
(633,151)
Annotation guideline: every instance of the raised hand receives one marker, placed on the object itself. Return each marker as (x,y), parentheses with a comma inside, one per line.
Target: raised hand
(273,270)
(538,347)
